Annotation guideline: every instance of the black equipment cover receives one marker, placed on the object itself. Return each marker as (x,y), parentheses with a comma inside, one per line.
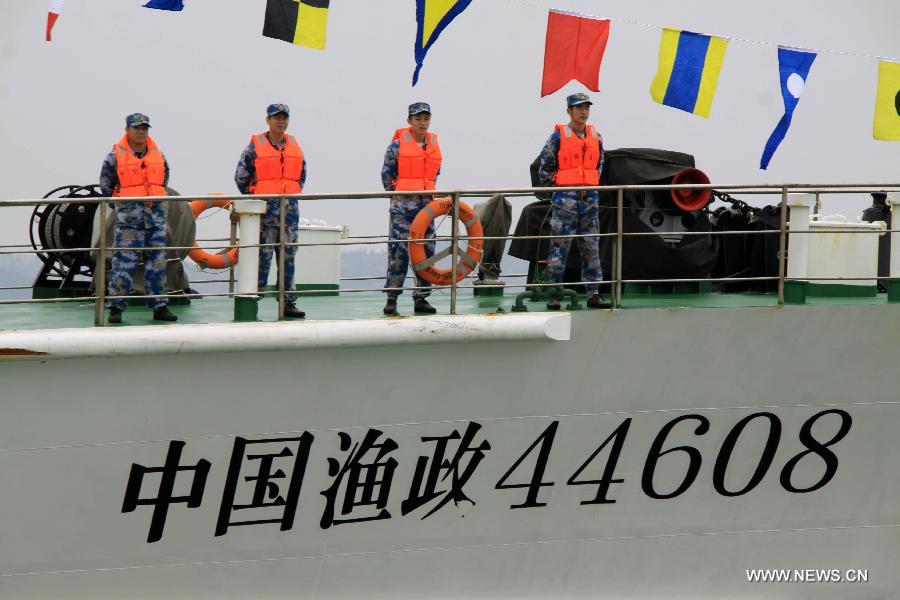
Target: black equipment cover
(644,257)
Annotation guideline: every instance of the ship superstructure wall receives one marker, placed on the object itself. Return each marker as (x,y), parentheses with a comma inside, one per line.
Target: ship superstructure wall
(658,452)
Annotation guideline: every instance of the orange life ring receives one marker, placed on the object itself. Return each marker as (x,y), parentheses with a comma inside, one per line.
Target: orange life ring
(423,265)
(204,259)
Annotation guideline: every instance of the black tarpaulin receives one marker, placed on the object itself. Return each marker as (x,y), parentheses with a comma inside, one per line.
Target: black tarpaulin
(496,219)
(644,257)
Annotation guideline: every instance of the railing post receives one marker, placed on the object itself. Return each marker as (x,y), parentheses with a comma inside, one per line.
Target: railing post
(232,240)
(100,269)
(893,284)
(454,235)
(613,270)
(620,202)
(782,244)
(281,232)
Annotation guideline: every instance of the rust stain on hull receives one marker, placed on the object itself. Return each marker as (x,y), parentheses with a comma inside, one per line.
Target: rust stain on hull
(20,352)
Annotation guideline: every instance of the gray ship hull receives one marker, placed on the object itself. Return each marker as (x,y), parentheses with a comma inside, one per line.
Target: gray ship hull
(654,453)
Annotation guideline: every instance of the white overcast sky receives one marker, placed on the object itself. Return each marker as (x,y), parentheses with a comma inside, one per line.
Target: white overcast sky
(206,74)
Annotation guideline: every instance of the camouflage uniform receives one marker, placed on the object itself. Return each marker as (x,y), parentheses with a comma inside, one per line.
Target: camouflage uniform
(270,226)
(137,225)
(402,212)
(573,213)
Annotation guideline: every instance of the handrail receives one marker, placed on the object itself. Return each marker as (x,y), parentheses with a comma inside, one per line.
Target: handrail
(766,188)
(818,230)
(616,282)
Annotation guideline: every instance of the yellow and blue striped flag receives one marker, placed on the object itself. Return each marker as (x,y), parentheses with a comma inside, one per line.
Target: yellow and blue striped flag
(688,73)
(432,16)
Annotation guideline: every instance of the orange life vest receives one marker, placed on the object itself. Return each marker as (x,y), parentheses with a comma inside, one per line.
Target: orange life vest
(578,158)
(139,176)
(417,168)
(278,170)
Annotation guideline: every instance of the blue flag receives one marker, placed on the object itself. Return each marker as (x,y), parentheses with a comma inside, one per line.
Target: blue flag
(164,4)
(793,65)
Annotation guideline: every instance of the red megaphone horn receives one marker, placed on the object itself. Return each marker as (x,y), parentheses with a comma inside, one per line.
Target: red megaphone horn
(687,199)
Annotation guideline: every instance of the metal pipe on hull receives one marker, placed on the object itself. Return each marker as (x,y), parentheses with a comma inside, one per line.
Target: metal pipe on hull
(247,337)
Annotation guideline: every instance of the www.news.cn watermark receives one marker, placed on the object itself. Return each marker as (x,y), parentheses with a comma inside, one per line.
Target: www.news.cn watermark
(807,575)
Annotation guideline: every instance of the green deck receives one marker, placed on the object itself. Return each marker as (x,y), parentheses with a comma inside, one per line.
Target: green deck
(60,315)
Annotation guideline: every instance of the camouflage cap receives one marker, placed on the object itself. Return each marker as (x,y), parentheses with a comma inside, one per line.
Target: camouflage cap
(136,119)
(419,107)
(274,109)
(576,99)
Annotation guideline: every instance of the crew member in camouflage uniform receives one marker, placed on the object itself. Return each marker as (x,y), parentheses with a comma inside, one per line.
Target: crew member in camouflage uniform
(274,163)
(136,167)
(573,156)
(412,162)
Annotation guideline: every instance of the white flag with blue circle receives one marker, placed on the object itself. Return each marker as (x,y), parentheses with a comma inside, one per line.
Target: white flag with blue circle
(793,65)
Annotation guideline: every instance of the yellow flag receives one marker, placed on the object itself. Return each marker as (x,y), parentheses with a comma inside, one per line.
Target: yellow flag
(887,103)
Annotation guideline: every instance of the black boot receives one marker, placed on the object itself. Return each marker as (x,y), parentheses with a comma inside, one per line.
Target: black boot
(292,312)
(115,315)
(421,306)
(598,301)
(163,314)
(390,307)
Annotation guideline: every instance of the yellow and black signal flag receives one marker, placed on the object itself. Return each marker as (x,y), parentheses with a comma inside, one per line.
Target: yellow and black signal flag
(301,22)
(887,103)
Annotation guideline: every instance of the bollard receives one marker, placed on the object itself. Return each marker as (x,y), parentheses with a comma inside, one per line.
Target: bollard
(246,303)
(795,285)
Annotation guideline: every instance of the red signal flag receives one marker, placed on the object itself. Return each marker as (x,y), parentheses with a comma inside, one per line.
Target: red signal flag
(54,9)
(574,50)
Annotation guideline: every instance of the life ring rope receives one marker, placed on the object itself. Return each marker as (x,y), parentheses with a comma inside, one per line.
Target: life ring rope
(444,254)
